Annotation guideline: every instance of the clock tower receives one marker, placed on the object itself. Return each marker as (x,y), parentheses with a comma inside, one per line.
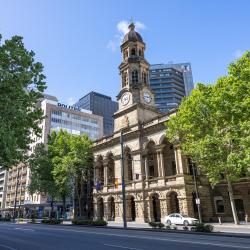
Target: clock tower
(136,100)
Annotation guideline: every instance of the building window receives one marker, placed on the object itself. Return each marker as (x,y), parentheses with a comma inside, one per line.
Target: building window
(124,79)
(134,76)
(219,205)
(125,55)
(144,77)
(133,52)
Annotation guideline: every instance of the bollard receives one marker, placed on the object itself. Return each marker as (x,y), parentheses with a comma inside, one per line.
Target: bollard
(219,219)
(246,218)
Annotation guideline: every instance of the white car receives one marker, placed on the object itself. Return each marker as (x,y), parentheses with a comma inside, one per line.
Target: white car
(180,219)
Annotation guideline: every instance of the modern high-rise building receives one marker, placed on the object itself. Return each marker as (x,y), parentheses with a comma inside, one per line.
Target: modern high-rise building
(76,121)
(170,83)
(101,105)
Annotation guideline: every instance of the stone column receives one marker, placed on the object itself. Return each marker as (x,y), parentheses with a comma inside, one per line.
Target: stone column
(105,166)
(146,167)
(159,162)
(180,164)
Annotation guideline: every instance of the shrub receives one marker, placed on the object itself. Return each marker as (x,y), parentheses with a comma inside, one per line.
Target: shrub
(5,219)
(208,228)
(174,227)
(201,227)
(51,221)
(185,228)
(99,223)
(156,225)
(168,227)
(89,222)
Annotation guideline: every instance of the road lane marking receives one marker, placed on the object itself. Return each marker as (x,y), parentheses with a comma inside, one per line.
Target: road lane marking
(7,247)
(155,238)
(118,246)
(25,229)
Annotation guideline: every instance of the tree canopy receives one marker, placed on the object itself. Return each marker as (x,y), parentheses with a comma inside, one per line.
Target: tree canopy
(72,160)
(41,167)
(21,85)
(212,125)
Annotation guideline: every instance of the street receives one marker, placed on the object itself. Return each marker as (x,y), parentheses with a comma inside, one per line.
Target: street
(36,237)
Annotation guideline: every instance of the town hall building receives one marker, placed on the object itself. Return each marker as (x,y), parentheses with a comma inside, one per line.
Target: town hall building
(158,178)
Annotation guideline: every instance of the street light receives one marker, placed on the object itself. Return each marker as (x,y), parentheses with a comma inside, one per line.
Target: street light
(197,200)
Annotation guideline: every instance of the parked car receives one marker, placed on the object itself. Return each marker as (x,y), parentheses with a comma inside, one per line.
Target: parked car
(181,219)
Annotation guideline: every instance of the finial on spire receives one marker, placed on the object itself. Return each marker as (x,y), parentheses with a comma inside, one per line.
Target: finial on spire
(131,26)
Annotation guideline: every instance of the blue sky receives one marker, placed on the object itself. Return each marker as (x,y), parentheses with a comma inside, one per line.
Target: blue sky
(78,41)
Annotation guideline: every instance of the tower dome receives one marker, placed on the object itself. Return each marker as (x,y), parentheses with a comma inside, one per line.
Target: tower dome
(132,35)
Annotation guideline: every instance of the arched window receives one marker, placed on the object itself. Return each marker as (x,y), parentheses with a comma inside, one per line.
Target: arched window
(124,79)
(152,161)
(128,165)
(144,77)
(134,76)
(111,169)
(99,171)
(169,158)
(133,52)
(125,54)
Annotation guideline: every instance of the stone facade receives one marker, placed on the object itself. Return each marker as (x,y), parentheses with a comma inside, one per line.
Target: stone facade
(158,178)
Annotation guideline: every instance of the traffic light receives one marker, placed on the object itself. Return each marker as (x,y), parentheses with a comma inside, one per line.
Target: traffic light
(116,182)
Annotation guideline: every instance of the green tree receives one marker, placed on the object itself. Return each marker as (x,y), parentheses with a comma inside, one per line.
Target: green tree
(213,126)
(72,164)
(21,85)
(42,180)
(81,162)
(59,148)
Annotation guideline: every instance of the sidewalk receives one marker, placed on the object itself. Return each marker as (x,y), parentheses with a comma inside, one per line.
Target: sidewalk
(243,228)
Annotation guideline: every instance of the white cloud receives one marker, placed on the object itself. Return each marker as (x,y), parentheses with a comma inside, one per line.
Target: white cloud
(111,45)
(238,53)
(71,101)
(122,29)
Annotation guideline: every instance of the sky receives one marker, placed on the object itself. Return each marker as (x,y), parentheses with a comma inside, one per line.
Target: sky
(78,41)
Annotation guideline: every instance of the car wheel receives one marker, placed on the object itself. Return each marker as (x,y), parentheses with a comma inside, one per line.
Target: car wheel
(169,222)
(185,223)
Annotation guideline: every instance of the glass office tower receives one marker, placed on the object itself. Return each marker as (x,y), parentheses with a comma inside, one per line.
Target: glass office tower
(170,83)
(101,105)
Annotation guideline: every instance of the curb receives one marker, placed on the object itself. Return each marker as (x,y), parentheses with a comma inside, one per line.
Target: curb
(219,234)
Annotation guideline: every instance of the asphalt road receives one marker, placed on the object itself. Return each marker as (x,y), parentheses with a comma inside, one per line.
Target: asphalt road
(43,237)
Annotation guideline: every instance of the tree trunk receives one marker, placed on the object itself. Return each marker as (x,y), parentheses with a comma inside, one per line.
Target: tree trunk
(231,197)
(52,208)
(64,204)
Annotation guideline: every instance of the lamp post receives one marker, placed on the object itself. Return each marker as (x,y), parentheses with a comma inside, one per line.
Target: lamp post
(123,182)
(197,200)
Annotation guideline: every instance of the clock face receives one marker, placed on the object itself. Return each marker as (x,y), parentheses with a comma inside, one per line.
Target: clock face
(125,99)
(147,97)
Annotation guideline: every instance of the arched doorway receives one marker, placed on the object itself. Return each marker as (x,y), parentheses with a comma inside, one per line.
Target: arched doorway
(130,208)
(174,203)
(133,212)
(111,209)
(100,209)
(156,210)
